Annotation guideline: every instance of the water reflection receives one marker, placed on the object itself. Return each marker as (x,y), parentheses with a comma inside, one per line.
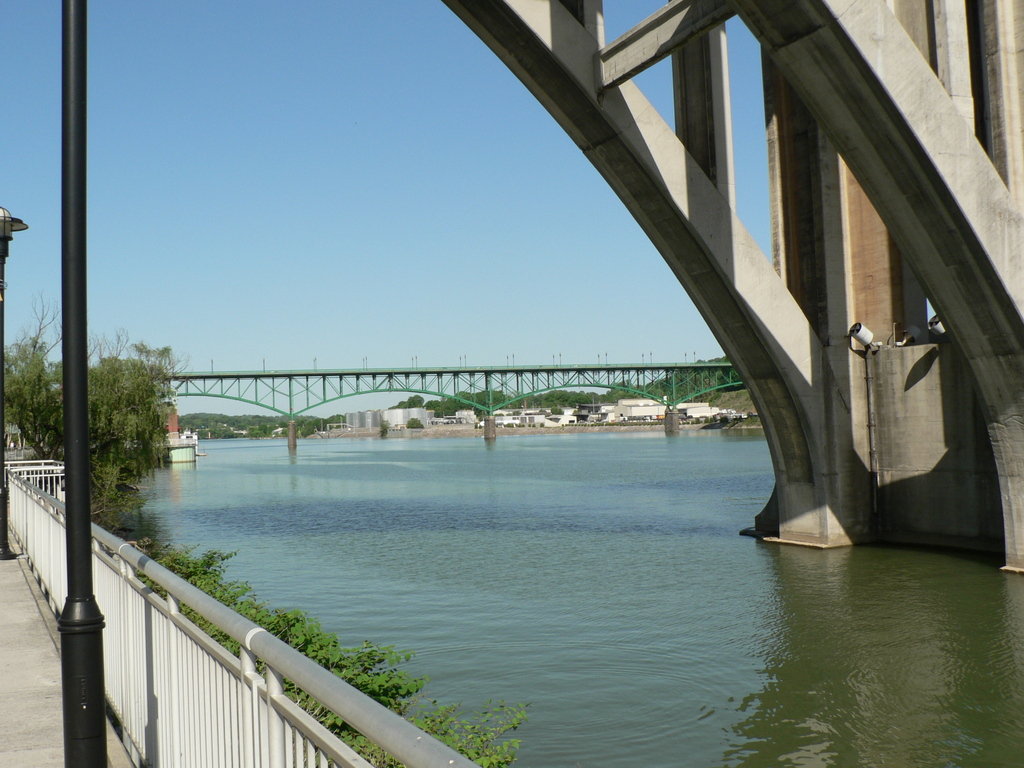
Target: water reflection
(887,657)
(600,578)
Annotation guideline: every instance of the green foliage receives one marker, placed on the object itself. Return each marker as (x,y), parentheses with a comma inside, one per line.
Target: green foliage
(33,390)
(217,426)
(478,736)
(384,426)
(738,399)
(416,401)
(414,423)
(129,399)
(373,669)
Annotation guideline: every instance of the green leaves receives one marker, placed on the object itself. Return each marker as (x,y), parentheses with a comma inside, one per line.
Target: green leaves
(477,735)
(129,398)
(33,397)
(373,669)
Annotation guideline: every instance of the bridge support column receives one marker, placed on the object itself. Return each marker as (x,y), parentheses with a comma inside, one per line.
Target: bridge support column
(292,438)
(914,189)
(490,428)
(671,421)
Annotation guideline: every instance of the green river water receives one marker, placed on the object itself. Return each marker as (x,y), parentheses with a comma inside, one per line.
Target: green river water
(600,578)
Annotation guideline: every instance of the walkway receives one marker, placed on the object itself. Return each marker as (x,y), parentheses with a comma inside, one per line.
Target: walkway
(31,722)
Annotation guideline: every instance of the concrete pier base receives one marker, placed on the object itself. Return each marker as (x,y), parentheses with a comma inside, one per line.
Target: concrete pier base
(292,438)
(490,428)
(672,422)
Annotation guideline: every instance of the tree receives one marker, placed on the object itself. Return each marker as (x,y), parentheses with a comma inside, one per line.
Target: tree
(415,401)
(414,423)
(129,399)
(33,397)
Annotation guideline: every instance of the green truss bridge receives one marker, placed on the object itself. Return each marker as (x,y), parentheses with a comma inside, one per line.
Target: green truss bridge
(291,393)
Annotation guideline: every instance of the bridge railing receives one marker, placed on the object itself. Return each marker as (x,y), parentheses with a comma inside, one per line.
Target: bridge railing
(181,698)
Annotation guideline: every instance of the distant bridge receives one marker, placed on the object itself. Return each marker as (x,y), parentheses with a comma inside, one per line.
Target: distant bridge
(291,393)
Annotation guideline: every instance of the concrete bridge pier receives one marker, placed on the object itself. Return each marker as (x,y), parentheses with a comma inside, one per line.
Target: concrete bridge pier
(490,429)
(292,438)
(896,176)
(671,421)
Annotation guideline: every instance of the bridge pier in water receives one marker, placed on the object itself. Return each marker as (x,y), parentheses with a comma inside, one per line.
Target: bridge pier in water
(490,428)
(671,421)
(293,443)
(895,140)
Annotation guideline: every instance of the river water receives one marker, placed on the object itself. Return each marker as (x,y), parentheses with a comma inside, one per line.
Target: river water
(600,578)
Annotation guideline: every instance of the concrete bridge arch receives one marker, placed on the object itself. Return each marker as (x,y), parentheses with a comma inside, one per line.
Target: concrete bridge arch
(876,113)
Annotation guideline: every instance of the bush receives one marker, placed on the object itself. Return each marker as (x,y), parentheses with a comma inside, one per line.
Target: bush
(371,668)
(414,423)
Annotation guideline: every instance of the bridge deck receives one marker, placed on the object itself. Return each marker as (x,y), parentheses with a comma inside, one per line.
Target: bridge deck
(31,721)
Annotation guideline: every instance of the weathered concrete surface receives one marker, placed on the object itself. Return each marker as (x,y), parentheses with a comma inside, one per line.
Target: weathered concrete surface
(490,428)
(31,720)
(906,132)
(939,194)
(691,222)
(937,480)
(671,422)
(31,717)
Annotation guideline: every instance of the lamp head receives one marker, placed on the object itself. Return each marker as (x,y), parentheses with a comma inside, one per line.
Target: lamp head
(862,334)
(10,224)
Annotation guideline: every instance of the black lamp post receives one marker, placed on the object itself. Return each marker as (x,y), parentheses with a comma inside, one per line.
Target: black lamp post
(81,623)
(8,226)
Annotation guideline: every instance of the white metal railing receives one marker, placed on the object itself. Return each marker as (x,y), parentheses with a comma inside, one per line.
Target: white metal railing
(181,698)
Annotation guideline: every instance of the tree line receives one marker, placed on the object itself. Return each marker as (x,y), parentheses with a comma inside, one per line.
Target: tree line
(217,426)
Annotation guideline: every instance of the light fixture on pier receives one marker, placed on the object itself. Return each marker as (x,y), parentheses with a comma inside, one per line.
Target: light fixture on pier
(861,334)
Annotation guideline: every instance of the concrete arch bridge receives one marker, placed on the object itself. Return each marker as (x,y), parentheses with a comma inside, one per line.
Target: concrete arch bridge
(896,164)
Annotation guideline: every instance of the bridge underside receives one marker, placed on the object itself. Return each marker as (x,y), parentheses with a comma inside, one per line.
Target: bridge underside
(895,153)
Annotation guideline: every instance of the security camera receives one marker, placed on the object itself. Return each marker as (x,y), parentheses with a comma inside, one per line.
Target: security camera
(861,334)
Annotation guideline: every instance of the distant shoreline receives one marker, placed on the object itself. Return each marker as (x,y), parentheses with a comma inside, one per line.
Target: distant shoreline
(468,430)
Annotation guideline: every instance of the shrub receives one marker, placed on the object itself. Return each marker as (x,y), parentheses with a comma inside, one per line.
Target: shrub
(372,669)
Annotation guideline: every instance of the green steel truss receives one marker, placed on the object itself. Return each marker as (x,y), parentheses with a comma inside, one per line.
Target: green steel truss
(293,392)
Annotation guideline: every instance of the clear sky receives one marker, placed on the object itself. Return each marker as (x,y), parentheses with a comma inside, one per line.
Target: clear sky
(332,180)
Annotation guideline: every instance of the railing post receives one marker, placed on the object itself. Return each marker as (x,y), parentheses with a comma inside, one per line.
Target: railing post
(251,752)
(174,692)
(275,723)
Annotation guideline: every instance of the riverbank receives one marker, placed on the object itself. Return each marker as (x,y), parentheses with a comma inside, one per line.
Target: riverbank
(469,430)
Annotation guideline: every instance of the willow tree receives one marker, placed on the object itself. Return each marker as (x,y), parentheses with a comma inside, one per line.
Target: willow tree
(130,396)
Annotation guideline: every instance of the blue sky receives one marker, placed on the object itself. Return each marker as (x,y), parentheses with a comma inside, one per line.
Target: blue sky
(334,180)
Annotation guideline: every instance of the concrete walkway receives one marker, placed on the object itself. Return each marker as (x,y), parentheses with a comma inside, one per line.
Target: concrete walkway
(31,720)
(30,695)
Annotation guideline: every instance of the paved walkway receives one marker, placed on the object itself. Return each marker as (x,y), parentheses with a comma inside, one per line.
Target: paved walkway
(30,709)
(31,721)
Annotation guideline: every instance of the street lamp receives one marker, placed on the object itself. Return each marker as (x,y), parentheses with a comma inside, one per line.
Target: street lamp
(81,622)
(8,226)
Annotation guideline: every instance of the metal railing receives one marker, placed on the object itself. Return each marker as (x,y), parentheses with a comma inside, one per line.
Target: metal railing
(181,698)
